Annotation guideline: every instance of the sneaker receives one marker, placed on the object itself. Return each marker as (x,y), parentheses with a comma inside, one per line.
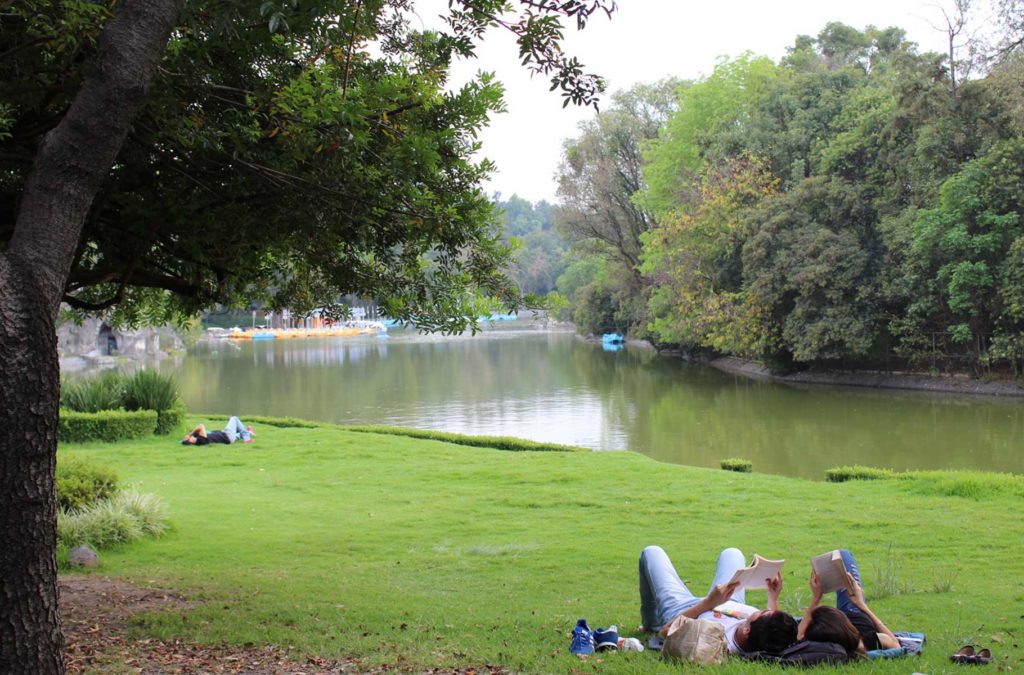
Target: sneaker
(630,645)
(655,643)
(582,639)
(606,639)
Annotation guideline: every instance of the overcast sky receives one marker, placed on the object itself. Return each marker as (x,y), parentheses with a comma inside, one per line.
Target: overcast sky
(644,41)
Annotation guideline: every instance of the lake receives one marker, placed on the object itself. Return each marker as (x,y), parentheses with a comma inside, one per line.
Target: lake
(517,380)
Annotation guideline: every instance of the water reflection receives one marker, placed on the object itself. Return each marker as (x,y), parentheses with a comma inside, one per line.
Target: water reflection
(550,386)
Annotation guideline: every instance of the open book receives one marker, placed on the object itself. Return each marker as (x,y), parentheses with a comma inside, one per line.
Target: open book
(754,576)
(831,571)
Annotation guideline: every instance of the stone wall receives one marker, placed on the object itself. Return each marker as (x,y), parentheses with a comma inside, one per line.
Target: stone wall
(94,344)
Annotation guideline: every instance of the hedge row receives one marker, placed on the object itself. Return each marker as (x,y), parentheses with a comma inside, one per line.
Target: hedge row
(107,425)
(495,442)
(171,419)
(841,474)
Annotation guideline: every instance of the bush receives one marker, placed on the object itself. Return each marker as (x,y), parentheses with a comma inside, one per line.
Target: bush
(841,474)
(171,419)
(82,482)
(121,519)
(738,465)
(149,390)
(108,425)
(106,392)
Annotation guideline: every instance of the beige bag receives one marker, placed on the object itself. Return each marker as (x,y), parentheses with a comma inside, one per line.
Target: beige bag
(695,640)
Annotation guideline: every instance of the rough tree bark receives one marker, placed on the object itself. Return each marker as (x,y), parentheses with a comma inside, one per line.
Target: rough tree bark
(70,164)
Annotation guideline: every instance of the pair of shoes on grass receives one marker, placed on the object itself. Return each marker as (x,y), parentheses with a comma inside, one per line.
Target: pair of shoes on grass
(586,641)
(968,656)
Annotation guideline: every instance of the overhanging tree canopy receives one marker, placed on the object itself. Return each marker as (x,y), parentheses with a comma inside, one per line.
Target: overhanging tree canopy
(286,150)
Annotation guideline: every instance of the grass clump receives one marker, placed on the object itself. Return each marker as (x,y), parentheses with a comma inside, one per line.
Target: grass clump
(842,474)
(966,484)
(82,482)
(738,465)
(106,392)
(149,390)
(126,517)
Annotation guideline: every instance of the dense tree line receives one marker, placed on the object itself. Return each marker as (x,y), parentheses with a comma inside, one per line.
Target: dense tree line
(538,248)
(854,204)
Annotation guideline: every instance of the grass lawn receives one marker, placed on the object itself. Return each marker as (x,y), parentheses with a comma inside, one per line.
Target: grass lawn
(423,553)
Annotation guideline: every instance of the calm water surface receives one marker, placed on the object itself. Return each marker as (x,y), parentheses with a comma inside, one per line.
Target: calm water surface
(516,380)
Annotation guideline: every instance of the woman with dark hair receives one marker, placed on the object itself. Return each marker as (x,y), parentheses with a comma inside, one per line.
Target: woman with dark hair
(851,623)
(828,624)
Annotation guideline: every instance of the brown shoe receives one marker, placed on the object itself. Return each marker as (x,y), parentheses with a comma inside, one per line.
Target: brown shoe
(965,655)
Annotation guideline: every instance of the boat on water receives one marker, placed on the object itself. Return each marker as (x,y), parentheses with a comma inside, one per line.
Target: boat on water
(347,329)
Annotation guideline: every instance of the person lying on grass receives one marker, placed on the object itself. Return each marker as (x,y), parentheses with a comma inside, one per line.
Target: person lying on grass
(851,623)
(664,596)
(233,431)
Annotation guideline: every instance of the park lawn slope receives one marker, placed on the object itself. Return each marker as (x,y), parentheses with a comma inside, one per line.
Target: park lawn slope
(420,553)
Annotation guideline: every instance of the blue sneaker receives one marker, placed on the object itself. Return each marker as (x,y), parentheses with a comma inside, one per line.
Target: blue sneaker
(606,639)
(582,639)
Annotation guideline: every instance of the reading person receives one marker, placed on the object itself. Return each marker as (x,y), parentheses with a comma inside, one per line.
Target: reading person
(851,623)
(664,596)
(233,431)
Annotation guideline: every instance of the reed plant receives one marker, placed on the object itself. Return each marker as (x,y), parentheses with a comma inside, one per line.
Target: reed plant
(150,390)
(94,394)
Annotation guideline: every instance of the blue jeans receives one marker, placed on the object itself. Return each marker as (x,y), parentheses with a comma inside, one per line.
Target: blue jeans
(843,602)
(235,430)
(663,595)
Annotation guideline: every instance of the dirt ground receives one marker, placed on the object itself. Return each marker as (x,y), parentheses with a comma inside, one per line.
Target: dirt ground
(95,613)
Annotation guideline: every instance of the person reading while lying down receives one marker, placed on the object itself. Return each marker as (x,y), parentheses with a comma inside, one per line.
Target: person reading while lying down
(664,596)
(851,623)
(232,432)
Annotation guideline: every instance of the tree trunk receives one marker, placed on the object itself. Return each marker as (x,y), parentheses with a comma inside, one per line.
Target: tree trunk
(30,638)
(70,164)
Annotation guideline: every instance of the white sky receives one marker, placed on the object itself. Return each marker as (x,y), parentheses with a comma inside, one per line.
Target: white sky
(645,41)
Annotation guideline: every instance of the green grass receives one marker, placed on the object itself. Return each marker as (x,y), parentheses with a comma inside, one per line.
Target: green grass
(419,553)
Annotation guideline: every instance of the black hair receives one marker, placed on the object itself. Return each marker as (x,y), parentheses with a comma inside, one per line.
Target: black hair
(771,632)
(828,624)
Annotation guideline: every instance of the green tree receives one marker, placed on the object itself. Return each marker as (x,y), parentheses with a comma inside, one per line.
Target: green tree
(599,175)
(812,265)
(278,157)
(706,111)
(966,256)
(693,261)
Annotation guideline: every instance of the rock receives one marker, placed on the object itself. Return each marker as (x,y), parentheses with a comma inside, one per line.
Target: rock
(84,556)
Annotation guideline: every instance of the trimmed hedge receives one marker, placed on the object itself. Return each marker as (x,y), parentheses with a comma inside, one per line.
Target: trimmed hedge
(495,442)
(172,419)
(841,474)
(738,465)
(82,482)
(108,425)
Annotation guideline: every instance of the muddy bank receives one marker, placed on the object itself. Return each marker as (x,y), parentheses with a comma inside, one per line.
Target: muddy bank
(951,384)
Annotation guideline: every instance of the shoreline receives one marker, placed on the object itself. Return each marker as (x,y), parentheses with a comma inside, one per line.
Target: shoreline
(950,384)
